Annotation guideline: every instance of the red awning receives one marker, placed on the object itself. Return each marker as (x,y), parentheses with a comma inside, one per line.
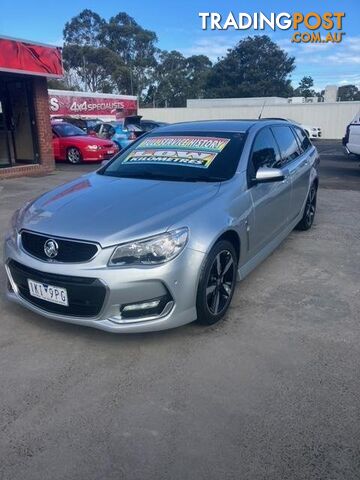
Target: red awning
(21,56)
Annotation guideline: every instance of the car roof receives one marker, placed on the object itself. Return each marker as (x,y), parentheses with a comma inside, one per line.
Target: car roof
(240,126)
(153,121)
(59,122)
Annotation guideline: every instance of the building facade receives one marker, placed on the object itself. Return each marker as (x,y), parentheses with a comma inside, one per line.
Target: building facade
(25,130)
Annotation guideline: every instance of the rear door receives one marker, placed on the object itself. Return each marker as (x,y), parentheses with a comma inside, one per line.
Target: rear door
(270,200)
(296,164)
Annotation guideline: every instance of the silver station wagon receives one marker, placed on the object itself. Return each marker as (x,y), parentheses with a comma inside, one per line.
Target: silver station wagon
(157,237)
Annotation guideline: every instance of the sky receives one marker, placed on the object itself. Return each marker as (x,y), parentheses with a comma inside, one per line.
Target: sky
(178,27)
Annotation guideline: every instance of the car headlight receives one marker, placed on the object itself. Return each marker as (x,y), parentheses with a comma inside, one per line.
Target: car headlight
(151,251)
(93,148)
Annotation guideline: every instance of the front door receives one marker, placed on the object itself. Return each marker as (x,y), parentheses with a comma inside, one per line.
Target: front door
(56,147)
(271,201)
(22,120)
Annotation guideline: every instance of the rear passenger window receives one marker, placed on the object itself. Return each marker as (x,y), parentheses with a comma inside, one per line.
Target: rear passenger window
(265,152)
(289,147)
(303,139)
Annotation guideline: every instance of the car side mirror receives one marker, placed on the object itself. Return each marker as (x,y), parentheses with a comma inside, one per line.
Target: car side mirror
(266,175)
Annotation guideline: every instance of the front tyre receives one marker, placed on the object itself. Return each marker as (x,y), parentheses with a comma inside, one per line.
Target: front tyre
(217,283)
(310,209)
(73,155)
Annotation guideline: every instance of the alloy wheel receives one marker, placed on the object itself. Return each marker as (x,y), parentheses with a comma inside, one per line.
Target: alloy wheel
(220,282)
(310,207)
(74,155)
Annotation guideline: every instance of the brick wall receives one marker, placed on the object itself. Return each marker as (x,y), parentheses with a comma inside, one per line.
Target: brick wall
(42,117)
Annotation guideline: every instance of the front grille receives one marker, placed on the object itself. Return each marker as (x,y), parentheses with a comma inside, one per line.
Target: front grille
(85,295)
(70,251)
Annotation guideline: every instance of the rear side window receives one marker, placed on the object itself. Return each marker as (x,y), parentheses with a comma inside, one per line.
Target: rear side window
(265,152)
(147,126)
(108,130)
(289,147)
(303,139)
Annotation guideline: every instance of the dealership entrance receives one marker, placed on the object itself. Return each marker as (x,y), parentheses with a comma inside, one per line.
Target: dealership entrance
(25,131)
(17,123)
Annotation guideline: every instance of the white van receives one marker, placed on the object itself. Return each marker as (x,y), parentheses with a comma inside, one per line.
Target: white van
(351,141)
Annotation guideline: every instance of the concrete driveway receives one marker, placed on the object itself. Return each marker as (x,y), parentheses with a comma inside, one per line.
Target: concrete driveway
(270,393)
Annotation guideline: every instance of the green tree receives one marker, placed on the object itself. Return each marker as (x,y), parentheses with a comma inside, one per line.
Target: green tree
(93,66)
(59,84)
(170,85)
(136,48)
(85,29)
(176,78)
(255,67)
(305,88)
(198,68)
(348,93)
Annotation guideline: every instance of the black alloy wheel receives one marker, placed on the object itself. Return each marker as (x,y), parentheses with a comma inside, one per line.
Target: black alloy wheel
(217,283)
(310,209)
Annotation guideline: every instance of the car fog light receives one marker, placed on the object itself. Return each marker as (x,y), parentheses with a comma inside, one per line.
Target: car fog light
(152,307)
(141,306)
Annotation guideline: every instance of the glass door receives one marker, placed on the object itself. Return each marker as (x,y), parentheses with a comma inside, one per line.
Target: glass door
(22,120)
(6,150)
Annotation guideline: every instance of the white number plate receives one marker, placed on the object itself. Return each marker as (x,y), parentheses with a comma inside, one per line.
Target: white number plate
(48,292)
(110,152)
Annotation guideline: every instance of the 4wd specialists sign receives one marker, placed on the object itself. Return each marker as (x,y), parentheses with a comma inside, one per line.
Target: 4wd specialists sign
(91,105)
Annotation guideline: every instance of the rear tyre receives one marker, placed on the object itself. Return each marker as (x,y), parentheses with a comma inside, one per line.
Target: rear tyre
(217,283)
(309,212)
(73,155)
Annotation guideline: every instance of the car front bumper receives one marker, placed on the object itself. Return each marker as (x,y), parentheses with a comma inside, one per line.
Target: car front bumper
(99,155)
(176,281)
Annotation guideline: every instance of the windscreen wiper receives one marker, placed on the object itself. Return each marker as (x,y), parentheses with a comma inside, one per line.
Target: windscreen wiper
(159,176)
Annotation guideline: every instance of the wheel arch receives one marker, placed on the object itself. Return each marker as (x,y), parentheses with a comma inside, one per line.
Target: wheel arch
(231,236)
(73,146)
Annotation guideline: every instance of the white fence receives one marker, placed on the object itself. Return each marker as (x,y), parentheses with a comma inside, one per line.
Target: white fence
(331,117)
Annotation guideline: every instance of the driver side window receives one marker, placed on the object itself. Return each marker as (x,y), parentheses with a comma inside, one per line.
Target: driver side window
(265,151)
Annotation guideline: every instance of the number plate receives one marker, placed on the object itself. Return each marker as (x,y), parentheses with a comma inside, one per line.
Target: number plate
(50,293)
(110,152)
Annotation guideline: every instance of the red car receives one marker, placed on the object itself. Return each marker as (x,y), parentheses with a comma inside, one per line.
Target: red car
(72,144)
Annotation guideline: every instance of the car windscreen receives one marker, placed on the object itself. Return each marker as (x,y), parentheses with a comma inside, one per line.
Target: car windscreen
(191,156)
(92,123)
(67,130)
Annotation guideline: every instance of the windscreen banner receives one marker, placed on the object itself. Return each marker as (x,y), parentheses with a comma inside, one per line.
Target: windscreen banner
(189,151)
(19,56)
